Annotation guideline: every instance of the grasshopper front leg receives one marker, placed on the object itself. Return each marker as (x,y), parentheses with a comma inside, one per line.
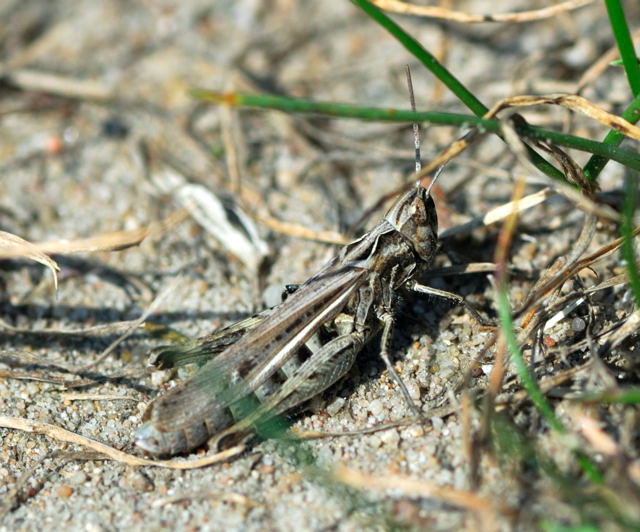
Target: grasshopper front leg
(450,296)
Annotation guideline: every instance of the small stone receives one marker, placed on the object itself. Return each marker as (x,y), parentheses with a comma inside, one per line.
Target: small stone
(160,377)
(390,438)
(376,407)
(413,388)
(64,491)
(78,478)
(412,433)
(140,482)
(549,341)
(335,406)
(578,324)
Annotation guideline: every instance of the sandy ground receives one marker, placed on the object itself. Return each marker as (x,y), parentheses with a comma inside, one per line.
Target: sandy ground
(75,166)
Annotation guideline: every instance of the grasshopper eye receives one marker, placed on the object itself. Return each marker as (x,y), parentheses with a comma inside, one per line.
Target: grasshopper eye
(414,216)
(425,227)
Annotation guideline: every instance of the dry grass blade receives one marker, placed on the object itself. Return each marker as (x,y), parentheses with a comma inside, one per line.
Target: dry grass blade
(12,246)
(235,498)
(398,6)
(599,440)
(608,283)
(594,71)
(134,325)
(586,204)
(95,397)
(317,435)
(230,136)
(575,103)
(630,327)
(548,313)
(461,269)
(300,231)
(60,434)
(30,376)
(111,241)
(486,508)
(22,357)
(500,213)
(94,332)
(584,197)
(546,385)
(563,314)
(67,87)
(533,300)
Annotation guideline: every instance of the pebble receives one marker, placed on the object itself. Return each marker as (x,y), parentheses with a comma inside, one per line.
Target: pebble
(78,478)
(140,482)
(413,388)
(160,377)
(437,423)
(335,406)
(376,407)
(64,491)
(578,324)
(390,438)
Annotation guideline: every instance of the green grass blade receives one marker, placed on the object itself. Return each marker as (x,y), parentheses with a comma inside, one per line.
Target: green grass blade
(343,110)
(628,396)
(449,80)
(506,322)
(294,105)
(555,527)
(625,44)
(529,383)
(627,250)
(595,165)
(632,69)
(425,57)
(626,157)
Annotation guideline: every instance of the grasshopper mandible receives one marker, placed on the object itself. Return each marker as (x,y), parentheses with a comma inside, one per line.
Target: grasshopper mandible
(294,351)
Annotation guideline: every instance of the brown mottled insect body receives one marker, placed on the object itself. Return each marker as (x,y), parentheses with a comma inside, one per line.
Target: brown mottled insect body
(282,357)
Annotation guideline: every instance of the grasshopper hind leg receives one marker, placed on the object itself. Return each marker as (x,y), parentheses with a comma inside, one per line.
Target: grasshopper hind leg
(328,365)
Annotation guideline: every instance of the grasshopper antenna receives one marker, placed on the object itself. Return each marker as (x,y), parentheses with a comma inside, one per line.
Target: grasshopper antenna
(435,178)
(416,133)
(416,127)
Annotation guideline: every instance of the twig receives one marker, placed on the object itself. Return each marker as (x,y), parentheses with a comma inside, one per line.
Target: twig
(486,508)
(500,213)
(37,80)
(235,498)
(575,103)
(300,231)
(71,396)
(134,325)
(458,16)
(60,434)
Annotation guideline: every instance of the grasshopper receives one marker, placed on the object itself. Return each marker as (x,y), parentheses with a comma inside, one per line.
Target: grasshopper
(284,356)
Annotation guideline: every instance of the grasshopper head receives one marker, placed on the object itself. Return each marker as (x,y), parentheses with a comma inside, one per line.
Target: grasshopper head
(414,216)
